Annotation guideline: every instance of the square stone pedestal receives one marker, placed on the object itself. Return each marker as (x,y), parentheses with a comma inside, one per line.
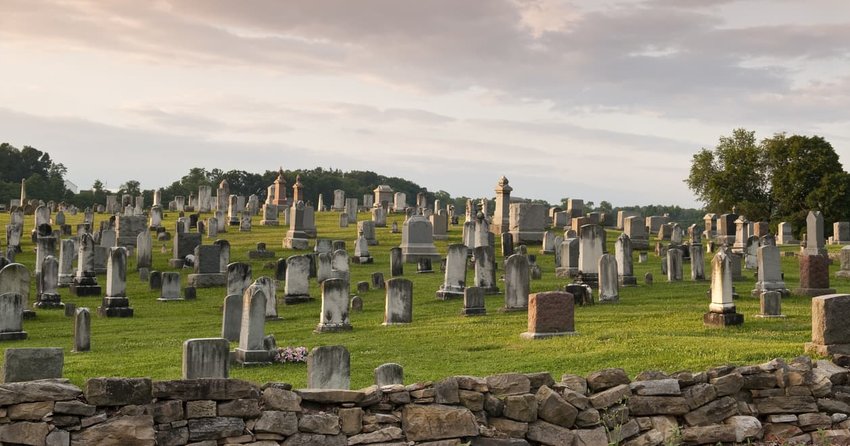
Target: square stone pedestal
(721,320)
(249,357)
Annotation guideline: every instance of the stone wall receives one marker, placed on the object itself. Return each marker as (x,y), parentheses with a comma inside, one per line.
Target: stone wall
(796,402)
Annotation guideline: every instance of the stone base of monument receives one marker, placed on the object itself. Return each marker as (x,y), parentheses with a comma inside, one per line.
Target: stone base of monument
(85,286)
(251,357)
(720,320)
(363,260)
(827,349)
(332,328)
(529,335)
(207,280)
(757,291)
(49,302)
(813,292)
(13,336)
(260,255)
(473,311)
(296,299)
(296,243)
(628,281)
(446,293)
(115,307)
(844,273)
(29,314)
(269,222)
(769,316)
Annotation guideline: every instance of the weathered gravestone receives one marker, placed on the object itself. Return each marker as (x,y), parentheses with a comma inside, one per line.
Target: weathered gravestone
(207,268)
(455,277)
(206,358)
(329,367)
(814,262)
(398,307)
(721,311)
(830,330)
(550,313)
(335,307)
(30,364)
(389,374)
(12,316)
(517,283)
(82,330)
(251,348)
(116,303)
(485,269)
(609,291)
(297,286)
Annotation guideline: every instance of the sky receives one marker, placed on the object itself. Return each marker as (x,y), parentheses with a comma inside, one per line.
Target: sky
(593,99)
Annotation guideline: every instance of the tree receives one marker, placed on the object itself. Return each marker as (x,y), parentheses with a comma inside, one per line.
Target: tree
(131,187)
(734,173)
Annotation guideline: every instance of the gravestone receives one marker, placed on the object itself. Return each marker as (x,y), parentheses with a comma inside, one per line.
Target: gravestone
(212,228)
(785,234)
(170,290)
(238,278)
(841,233)
(324,266)
(206,358)
(507,244)
(551,313)
(335,307)
(67,251)
(623,256)
(297,286)
(206,271)
(297,237)
(343,220)
(398,307)
(144,250)
(270,290)
(609,291)
(473,302)
(378,280)
(116,303)
(340,265)
(814,261)
(251,348)
(751,253)
(770,272)
(517,282)
(351,209)
(183,244)
(389,374)
(830,331)
(591,248)
(224,254)
(424,266)
(367,228)
(323,245)
(329,367)
(231,322)
(15,279)
(12,307)
(379,217)
(82,330)
(674,265)
(844,257)
(697,262)
(726,229)
(485,269)
(770,304)
(30,364)
(417,240)
(270,215)
(261,252)
(569,258)
(454,281)
(721,311)
(548,243)
(361,251)
(396,262)
(48,285)
(280,270)
(440,225)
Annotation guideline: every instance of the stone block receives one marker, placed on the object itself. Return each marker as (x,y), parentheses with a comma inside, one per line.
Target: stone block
(29,364)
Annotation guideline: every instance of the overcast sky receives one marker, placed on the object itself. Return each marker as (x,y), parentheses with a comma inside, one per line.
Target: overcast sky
(595,99)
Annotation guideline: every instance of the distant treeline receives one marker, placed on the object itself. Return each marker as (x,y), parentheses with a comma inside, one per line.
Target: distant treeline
(45,181)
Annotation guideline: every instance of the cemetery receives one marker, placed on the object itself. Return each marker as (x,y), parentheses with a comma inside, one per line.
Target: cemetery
(538,332)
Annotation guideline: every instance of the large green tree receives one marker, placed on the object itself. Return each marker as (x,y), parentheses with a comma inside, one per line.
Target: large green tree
(780,178)
(734,173)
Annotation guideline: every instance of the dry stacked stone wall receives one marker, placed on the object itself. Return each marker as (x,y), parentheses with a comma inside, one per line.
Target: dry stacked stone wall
(787,402)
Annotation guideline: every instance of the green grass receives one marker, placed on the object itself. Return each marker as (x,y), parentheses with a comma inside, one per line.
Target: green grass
(655,327)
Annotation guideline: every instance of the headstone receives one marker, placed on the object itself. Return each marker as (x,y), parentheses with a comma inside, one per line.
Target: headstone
(297,237)
(548,243)
(329,367)
(223,254)
(231,322)
(399,302)
(473,302)
(623,215)
(389,374)
(454,282)
(251,348)
(517,282)
(335,307)
(339,200)
(206,358)
(394,228)
(751,252)
(183,244)
(424,266)
(697,262)
(608,279)
(67,251)
(211,228)
(814,234)
(569,258)
(12,307)
(550,313)
(396,262)
(170,290)
(770,304)
(261,252)
(785,234)
(722,312)
(378,280)
(238,278)
(507,244)
(82,330)
(30,364)
(270,290)
(144,250)
(297,287)
(844,257)
(485,269)
(527,222)
(440,226)
(206,271)
(674,265)
(361,250)
(591,247)
(623,256)
(770,272)
(830,331)
(48,285)
(417,240)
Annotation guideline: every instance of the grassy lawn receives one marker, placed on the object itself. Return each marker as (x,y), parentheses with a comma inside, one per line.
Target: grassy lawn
(653,327)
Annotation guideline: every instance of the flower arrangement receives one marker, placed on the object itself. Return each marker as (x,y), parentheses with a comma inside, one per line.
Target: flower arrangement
(291,354)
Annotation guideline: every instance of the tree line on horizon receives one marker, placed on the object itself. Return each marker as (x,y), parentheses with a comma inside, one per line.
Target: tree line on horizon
(45,180)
